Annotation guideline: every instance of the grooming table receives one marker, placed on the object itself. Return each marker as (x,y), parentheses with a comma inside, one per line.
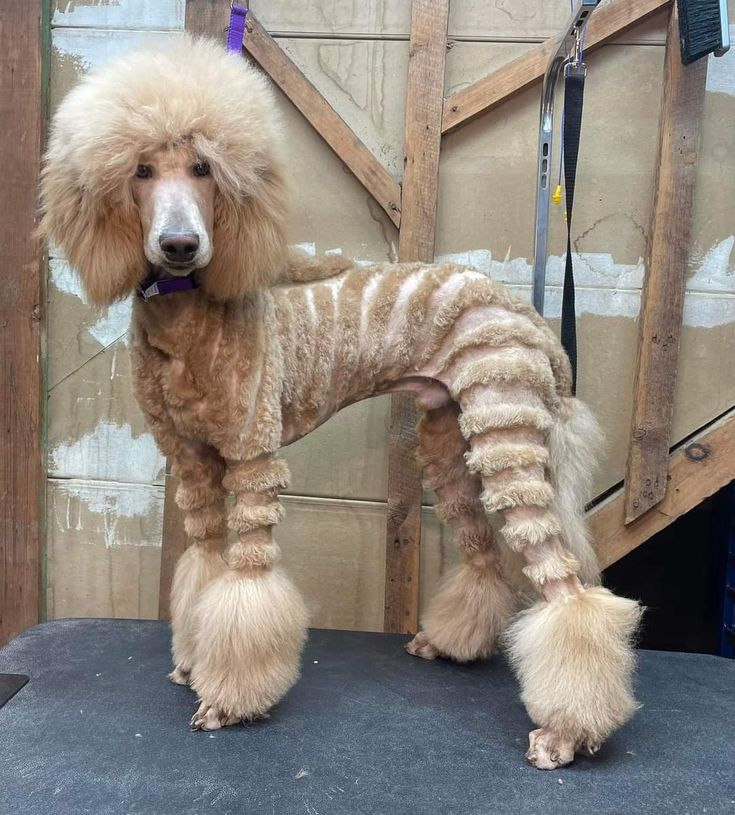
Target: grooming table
(368,729)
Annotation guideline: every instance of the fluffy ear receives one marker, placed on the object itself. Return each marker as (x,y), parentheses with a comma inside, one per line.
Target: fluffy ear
(102,240)
(248,239)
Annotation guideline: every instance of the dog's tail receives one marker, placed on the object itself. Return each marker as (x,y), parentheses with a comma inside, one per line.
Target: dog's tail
(574,443)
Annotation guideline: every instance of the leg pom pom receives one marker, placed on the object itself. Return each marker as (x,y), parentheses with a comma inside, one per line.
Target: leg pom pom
(196,568)
(249,636)
(574,658)
(469,611)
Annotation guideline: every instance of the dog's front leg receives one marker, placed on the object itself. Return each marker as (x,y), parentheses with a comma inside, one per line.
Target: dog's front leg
(200,495)
(250,621)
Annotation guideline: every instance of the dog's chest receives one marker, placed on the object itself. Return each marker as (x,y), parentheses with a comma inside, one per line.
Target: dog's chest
(200,397)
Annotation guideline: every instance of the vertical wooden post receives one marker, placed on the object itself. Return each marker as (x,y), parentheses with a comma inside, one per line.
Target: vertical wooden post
(663,289)
(22,309)
(424,104)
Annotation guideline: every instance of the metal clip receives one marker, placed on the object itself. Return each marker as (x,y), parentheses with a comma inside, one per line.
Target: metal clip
(150,291)
(575,66)
(569,42)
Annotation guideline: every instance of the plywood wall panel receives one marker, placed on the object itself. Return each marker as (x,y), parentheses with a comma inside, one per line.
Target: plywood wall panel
(335,552)
(346,457)
(103,549)
(77,50)
(471,19)
(488,167)
(364,81)
(104,554)
(343,217)
(96,429)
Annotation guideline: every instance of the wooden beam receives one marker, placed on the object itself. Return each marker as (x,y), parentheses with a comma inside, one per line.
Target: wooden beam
(208,18)
(424,100)
(667,260)
(22,315)
(323,118)
(605,23)
(697,469)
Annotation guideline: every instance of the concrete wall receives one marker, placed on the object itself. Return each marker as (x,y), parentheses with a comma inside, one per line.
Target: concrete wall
(105,475)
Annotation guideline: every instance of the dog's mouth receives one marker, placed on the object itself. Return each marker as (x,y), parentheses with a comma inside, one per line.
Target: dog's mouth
(171,269)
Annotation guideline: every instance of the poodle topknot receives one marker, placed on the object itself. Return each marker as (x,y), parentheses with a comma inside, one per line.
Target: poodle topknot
(191,93)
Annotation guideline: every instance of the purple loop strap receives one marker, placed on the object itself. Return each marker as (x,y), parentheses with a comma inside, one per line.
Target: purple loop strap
(236,28)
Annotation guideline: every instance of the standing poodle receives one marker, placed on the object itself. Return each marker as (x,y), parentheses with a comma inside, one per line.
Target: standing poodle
(163,177)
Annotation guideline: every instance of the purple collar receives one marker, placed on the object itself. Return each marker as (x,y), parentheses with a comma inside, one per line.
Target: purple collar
(150,287)
(236,28)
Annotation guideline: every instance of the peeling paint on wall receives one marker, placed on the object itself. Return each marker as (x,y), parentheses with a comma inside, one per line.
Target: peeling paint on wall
(115,504)
(109,452)
(87,48)
(112,323)
(715,273)
(158,14)
(604,287)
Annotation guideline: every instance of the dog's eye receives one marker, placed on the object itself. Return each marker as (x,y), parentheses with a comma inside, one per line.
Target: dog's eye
(201,168)
(143,171)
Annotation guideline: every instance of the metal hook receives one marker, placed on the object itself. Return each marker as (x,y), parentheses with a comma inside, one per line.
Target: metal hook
(569,42)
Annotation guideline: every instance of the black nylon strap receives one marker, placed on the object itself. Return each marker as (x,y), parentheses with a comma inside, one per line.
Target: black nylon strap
(573,97)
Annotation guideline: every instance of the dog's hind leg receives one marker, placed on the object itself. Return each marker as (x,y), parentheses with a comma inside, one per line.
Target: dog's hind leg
(572,650)
(473,602)
(201,495)
(250,621)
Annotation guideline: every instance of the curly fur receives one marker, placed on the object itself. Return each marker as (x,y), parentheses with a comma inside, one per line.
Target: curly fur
(272,343)
(193,94)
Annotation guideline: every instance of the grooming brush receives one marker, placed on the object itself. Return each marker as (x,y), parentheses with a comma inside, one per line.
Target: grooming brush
(703,28)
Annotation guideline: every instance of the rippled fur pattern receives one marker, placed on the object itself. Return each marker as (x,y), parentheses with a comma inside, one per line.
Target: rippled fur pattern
(271,344)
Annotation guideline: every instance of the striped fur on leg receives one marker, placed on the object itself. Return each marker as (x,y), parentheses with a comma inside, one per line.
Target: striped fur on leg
(250,621)
(473,602)
(572,651)
(201,495)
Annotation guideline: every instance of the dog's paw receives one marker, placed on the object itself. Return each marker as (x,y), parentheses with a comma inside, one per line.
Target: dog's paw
(589,749)
(211,718)
(178,676)
(421,647)
(548,750)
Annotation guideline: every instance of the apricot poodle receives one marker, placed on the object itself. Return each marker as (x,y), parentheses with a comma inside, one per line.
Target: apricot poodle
(163,177)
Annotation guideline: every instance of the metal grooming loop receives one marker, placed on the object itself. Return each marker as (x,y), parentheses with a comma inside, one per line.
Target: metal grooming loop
(568,43)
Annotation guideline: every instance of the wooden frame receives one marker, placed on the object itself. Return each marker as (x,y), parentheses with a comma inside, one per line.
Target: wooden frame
(667,261)
(696,469)
(22,311)
(485,94)
(413,210)
(424,103)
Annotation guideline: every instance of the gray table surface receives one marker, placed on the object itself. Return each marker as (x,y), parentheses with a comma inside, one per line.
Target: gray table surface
(368,729)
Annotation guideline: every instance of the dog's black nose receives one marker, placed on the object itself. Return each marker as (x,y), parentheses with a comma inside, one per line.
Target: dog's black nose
(179,247)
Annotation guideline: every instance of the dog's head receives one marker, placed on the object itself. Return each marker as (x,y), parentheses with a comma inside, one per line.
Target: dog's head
(167,160)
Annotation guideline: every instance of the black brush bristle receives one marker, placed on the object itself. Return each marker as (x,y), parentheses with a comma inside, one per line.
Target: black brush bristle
(700,28)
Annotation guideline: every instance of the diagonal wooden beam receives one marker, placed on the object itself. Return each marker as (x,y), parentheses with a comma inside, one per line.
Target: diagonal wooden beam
(323,118)
(607,22)
(697,469)
(667,262)
(424,99)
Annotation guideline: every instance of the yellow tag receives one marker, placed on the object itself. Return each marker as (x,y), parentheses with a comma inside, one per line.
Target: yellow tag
(556,197)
